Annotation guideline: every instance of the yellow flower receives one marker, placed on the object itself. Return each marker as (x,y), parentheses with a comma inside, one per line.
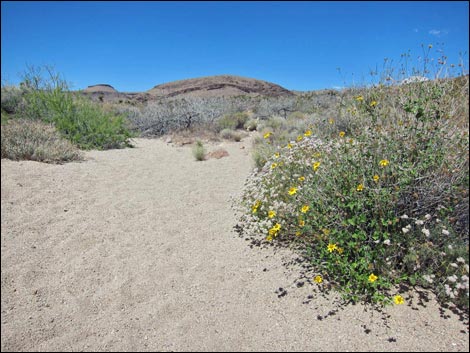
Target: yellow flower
(398,299)
(274,165)
(340,250)
(271,214)
(277,226)
(276,155)
(359,98)
(292,190)
(342,133)
(301,178)
(384,163)
(298,233)
(305,208)
(372,278)
(256,206)
(308,133)
(289,145)
(269,238)
(300,138)
(373,103)
(332,247)
(301,222)
(331,121)
(325,231)
(376,178)
(272,232)
(350,141)
(360,187)
(316,155)
(267,135)
(316,165)
(318,279)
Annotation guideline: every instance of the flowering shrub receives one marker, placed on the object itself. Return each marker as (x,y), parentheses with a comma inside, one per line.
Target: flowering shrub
(377,199)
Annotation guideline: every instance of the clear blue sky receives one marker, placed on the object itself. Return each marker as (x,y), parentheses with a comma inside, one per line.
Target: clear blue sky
(134,46)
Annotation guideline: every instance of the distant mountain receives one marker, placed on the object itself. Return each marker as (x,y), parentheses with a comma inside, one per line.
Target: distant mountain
(217,86)
(100,88)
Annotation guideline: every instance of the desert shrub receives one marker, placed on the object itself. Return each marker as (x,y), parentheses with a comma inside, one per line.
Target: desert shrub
(11,99)
(378,199)
(232,121)
(37,141)
(229,134)
(47,98)
(199,151)
(251,125)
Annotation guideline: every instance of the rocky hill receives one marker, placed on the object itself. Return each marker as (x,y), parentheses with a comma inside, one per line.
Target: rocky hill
(217,86)
(211,86)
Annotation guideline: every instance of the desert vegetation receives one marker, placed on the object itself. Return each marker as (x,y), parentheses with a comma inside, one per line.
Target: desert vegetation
(43,97)
(373,196)
(368,184)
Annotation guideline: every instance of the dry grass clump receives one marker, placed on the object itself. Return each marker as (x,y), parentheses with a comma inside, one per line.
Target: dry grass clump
(36,141)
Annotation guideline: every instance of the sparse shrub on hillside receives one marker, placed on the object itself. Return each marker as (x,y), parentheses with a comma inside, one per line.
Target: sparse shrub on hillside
(37,141)
(374,196)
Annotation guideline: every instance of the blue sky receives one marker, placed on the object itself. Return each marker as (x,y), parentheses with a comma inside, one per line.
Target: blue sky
(134,46)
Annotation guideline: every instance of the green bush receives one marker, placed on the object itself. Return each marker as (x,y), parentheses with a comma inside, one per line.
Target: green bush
(199,152)
(81,121)
(377,199)
(232,121)
(37,141)
(230,135)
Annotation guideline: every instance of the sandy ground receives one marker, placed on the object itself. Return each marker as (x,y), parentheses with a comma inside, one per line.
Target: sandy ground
(134,250)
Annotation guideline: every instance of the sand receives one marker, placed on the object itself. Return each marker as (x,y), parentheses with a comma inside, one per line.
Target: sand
(134,250)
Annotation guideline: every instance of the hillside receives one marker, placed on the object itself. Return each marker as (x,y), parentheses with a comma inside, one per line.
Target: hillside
(217,86)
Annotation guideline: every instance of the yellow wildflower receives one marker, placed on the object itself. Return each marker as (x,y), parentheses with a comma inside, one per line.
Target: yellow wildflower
(325,231)
(301,222)
(316,165)
(276,155)
(305,208)
(372,278)
(277,226)
(308,133)
(292,190)
(318,279)
(359,98)
(272,232)
(340,250)
(289,145)
(360,187)
(267,135)
(301,178)
(331,121)
(269,238)
(373,103)
(271,214)
(398,299)
(384,163)
(274,165)
(342,133)
(256,206)
(298,233)
(332,247)
(376,178)
(300,138)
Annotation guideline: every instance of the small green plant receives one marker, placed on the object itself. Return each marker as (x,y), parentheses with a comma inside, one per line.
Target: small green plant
(199,151)
(251,125)
(232,121)
(37,141)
